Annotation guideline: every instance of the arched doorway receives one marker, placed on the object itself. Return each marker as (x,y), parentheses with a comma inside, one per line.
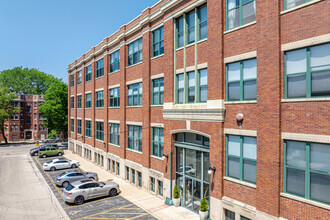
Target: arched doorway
(192,162)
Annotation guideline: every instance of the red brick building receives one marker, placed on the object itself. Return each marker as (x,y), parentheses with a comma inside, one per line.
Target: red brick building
(28,124)
(173,80)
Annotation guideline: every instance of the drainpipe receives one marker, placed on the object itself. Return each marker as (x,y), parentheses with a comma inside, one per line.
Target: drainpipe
(169,201)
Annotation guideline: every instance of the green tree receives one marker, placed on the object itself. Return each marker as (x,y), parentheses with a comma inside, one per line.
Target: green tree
(52,133)
(6,108)
(55,107)
(27,81)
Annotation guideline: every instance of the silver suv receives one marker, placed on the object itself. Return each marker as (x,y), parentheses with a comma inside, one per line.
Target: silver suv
(83,190)
(65,178)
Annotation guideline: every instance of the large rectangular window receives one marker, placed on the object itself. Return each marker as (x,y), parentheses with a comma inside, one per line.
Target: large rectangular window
(158,91)
(99,99)
(241,158)
(307,72)
(72,80)
(293,3)
(134,94)
(114,134)
(72,102)
(193,91)
(79,78)
(152,184)
(72,125)
(79,101)
(307,170)
(134,52)
(240,12)
(114,97)
(158,42)
(134,137)
(99,130)
(160,188)
(242,80)
(158,142)
(114,61)
(88,100)
(88,131)
(79,126)
(186,26)
(88,73)
(99,68)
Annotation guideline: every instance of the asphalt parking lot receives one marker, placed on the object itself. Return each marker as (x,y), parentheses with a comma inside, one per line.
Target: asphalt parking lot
(115,207)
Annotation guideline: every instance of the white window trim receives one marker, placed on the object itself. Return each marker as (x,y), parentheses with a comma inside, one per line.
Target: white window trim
(233,131)
(134,81)
(134,123)
(240,57)
(98,90)
(114,86)
(306,42)
(161,75)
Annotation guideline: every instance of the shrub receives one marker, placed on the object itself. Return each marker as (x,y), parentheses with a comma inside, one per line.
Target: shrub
(204,205)
(176,192)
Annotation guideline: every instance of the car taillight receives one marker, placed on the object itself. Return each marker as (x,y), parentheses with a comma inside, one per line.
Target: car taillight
(58,179)
(39,152)
(45,165)
(68,193)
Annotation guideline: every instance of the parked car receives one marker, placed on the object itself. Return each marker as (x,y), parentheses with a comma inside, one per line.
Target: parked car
(67,177)
(50,150)
(83,190)
(34,151)
(52,140)
(58,164)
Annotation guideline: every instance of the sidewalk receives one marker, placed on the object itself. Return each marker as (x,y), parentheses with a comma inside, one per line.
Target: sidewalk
(151,203)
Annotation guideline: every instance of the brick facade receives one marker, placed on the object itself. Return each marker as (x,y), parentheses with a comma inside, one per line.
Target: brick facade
(266,118)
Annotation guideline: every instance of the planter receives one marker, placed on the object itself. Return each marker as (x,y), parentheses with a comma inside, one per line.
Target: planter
(203,215)
(176,202)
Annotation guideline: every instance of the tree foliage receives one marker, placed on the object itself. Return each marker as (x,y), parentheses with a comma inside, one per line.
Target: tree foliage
(27,81)
(204,205)
(6,108)
(176,192)
(55,107)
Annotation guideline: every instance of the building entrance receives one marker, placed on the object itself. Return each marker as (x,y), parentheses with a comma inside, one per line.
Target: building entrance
(192,163)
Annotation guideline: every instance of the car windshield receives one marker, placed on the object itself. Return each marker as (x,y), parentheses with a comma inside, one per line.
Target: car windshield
(49,162)
(69,188)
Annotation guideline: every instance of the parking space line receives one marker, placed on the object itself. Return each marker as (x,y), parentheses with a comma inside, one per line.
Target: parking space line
(105,212)
(139,216)
(90,202)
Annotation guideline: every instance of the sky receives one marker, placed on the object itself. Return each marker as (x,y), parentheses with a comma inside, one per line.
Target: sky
(50,34)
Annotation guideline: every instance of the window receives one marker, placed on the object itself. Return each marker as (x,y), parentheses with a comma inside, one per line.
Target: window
(35,116)
(118,170)
(195,90)
(127,173)
(307,72)
(72,125)
(99,131)
(307,170)
(14,138)
(113,166)
(16,104)
(28,120)
(240,12)
(88,72)
(293,3)
(14,116)
(114,61)
(72,80)
(79,78)
(242,80)
(28,109)
(157,142)
(88,100)
(158,91)
(242,158)
(160,188)
(133,176)
(35,127)
(72,102)
(99,68)
(152,184)
(158,42)
(134,52)
(40,116)
(79,126)
(134,137)
(188,35)
(139,179)
(229,215)
(114,133)
(88,131)
(134,94)
(99,99)
(114,98)
(79,101)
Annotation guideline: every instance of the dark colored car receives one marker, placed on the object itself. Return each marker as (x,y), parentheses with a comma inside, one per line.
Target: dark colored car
(52,140)
(34,151)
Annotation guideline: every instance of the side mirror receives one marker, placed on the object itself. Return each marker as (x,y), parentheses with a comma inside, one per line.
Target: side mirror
(101,186)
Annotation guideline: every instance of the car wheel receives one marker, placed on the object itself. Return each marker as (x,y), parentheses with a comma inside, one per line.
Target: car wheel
(91,178)
(112,192)
(52,169)
(59,154)
(36,154)
(74,166)
(79,200)
(65,184)
(44,155)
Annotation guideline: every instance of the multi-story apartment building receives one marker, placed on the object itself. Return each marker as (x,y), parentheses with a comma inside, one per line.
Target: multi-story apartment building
(28,124)
(174,80)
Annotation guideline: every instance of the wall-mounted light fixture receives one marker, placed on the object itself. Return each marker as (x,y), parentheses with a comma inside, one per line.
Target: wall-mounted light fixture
(164,155)
(211,169)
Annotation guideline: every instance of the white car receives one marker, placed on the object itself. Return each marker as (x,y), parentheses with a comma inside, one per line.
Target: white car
(60,164)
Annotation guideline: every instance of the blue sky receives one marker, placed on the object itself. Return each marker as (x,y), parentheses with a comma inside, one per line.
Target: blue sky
(50,34)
